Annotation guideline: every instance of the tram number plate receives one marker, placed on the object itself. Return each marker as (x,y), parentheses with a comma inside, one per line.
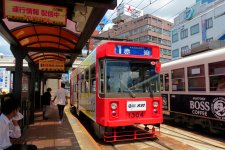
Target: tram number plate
(136,114)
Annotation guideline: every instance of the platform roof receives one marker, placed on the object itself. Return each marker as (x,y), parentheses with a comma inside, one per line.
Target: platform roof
(49,42)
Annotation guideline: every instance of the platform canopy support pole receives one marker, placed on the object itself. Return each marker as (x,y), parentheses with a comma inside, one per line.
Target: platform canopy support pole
(19,55)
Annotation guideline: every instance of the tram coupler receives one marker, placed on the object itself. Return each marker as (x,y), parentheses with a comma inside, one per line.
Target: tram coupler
(153,130)
(146,128)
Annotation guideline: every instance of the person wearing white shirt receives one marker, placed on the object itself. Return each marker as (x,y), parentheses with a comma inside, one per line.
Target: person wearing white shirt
(61,97)
(9,126)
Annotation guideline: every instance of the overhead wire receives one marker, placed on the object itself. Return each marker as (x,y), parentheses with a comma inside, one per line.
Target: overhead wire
(162,7)
(115,10)
(113,14)
(125,3)
(151,2)
(140,3)
(174,15)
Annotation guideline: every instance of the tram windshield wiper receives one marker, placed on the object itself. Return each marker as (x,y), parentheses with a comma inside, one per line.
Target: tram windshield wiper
(127,89)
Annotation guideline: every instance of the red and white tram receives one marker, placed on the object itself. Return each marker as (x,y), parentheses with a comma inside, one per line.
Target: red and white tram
(118,85)
(193,90)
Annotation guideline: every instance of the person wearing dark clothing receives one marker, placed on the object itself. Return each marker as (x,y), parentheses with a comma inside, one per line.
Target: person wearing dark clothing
(9,126)
(46,99)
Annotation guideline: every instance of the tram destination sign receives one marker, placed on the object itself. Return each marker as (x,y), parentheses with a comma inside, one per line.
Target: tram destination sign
(35,13)
(133,50)
(207,106)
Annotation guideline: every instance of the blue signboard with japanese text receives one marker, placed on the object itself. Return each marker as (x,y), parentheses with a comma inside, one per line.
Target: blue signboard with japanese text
(133,50)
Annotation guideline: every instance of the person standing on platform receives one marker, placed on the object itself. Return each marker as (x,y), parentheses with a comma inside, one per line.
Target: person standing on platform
(61,98)
(46,99)
(9,126)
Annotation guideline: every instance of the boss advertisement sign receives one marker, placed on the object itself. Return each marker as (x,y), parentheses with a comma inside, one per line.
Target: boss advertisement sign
(206,106)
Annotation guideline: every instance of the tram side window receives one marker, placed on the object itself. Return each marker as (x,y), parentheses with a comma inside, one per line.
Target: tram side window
(217,76)
(196,78)
(93,81)
(178,82)
(75,87)
(161,82)
(166,78)
(86,82)
(101,72)
(82,83)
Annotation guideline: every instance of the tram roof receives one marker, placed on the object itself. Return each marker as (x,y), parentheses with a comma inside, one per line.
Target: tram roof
(51,43)
(199,58)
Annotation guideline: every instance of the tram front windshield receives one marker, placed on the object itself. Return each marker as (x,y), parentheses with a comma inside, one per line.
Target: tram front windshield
(131,76)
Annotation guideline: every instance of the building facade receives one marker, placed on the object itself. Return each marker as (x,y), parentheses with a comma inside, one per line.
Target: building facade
(141,28)
(199,24)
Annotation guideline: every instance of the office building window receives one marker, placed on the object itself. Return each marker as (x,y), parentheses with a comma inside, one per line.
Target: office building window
(175,53)
(209,39)
(184,34)
(164,51)
(209,23)
(195,44)
(185,50)
(194,29)
(175,37)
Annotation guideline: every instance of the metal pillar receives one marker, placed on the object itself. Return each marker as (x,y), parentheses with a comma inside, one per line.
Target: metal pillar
(19,55)
(38,90)
(1,9)
(32,93)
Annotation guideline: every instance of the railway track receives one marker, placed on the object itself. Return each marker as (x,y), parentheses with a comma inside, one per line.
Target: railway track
(197,141)
(135,145)
(170,138)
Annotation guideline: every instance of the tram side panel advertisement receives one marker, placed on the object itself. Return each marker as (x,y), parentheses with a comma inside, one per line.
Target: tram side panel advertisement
(202,106)
(165,102)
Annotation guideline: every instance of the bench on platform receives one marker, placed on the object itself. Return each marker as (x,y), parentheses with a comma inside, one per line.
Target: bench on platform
(20,140)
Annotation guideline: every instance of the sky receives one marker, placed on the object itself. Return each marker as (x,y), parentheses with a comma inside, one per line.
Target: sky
(4,47)
(165,9)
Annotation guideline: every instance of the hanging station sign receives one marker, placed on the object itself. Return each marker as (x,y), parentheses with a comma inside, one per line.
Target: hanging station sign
(51,65)
(35,13)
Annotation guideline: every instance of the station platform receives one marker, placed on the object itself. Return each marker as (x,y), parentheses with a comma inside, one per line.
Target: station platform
(52,135)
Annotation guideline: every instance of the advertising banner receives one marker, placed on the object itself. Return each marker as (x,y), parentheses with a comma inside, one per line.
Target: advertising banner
(198,105)
(2,70)
(165,102)
(35,13)
(51,65)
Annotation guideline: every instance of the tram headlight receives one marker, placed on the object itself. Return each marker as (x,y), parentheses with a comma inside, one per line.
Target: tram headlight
(155,104)
(114,105)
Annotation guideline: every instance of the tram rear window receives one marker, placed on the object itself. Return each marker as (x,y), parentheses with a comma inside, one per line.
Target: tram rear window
(161,83)
(166,82)
(217,76)
(196,78)
(178,82)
